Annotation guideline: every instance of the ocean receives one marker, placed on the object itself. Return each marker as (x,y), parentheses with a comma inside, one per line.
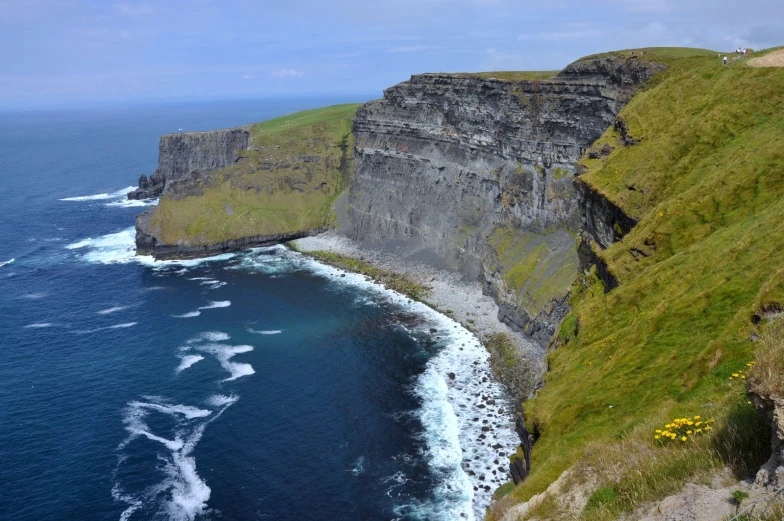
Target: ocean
(254,385)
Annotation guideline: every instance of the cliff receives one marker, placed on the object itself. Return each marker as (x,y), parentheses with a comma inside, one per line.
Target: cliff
(181,154)
(251,186)
(476,174)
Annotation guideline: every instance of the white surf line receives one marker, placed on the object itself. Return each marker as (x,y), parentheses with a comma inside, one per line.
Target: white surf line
(39,325)
(211,305)
(132,203)
(6,263)
(110,310)
(186,361)
(267,332)
(116,326)
(100,197)
(120,248)
(215,305)
(182,495)
(190,314)
(468,419)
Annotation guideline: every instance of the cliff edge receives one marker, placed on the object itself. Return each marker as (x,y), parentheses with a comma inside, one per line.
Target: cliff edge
(246,187)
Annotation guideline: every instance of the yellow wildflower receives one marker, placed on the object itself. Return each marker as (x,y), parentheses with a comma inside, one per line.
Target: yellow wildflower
(657,437)
(683,438)
(708,428)
(698,431)
(696,417)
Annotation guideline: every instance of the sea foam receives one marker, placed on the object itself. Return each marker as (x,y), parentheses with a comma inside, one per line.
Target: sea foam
(100,197)
(111,310)
(453,411)
(183,494)
(266,332)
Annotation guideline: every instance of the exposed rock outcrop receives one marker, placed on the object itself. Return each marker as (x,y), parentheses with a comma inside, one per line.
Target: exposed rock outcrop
(771,474)
(183,153)
(444,160)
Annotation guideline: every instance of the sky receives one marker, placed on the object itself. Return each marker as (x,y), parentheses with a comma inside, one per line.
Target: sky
(61,52)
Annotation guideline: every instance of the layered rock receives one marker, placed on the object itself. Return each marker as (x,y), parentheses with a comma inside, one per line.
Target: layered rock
(443,161)
(181,154)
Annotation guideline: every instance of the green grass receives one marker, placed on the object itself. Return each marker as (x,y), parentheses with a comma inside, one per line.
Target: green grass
(510,75)
(395,281)
(536,267)
(273,191)
(705,181)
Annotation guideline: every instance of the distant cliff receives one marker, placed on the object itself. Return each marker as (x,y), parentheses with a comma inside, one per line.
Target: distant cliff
(181,154)
(246,187)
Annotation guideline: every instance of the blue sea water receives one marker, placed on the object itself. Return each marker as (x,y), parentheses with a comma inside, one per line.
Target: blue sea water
(256,385)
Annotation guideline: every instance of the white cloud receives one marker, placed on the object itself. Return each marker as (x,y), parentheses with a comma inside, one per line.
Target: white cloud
(247,76)
(288,73)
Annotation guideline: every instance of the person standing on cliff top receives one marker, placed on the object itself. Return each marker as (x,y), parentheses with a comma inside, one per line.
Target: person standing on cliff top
(725,60)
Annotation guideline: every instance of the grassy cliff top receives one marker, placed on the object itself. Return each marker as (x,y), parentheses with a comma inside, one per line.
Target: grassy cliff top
(288,181)
(509,75)
(705,182)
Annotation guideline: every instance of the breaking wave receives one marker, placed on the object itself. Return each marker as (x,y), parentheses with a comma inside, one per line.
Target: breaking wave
(100,197)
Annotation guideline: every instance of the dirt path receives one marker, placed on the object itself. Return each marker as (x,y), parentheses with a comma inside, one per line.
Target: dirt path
(774,59)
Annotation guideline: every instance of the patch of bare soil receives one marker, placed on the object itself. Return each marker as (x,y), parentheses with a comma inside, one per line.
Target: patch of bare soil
(774,59)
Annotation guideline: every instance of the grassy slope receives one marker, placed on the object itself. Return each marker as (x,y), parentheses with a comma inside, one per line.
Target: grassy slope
(706,182)
(272,192)
(510,75)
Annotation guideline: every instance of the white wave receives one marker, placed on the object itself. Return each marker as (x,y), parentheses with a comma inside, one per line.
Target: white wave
(99,197)
(211,336)
(5,263)
(39,325)
(182,495)
(117,247)
(358,467)
(114,309)
(120,248)
(188,315)
(223,353)
(186,411)
(219,304)
(34,296)
(199,278)
(208,281)
(188,360)
(267,332)
(132,203)
(116,326)
(121,326)
(219,400)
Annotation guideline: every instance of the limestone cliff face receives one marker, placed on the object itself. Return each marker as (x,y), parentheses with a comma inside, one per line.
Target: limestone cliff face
(443,161)
(183,153)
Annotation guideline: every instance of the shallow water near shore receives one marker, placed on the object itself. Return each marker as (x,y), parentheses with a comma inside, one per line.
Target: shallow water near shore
(256,385)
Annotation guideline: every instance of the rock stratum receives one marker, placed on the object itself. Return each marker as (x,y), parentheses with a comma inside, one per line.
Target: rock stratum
(476,174)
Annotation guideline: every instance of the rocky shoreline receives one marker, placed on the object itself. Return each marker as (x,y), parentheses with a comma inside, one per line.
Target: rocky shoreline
(521,364)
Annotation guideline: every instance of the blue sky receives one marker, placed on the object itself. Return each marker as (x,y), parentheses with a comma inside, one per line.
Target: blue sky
(74,52)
